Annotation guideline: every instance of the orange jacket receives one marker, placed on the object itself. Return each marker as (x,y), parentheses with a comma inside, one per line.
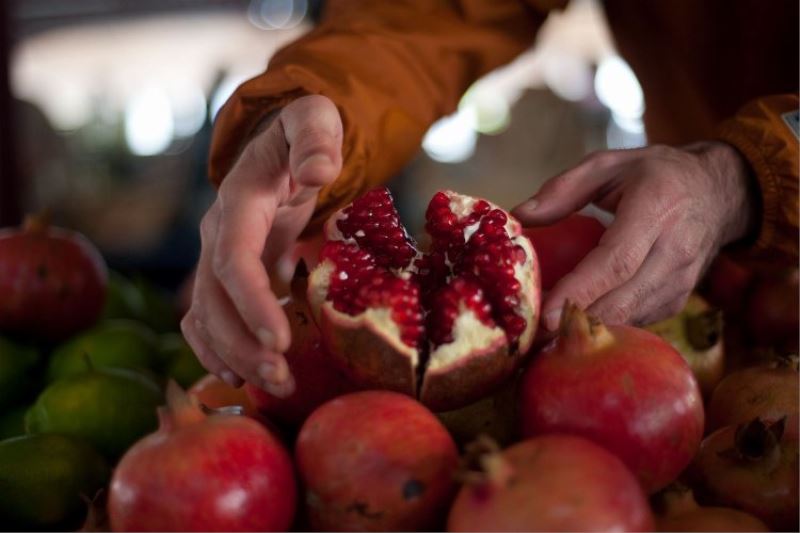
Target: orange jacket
(724,69)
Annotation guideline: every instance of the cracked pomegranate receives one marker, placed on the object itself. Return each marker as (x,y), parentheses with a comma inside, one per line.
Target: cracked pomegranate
(52,281)
(622,387)
(375,461)
(448,325)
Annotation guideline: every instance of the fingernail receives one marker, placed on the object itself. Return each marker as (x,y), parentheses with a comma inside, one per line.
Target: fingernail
(281,390)
(230,378)
(531,204)
(551,319)
(318,159)
(273,372)
(266,338)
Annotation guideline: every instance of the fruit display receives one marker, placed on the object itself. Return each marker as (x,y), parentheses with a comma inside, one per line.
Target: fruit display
(422,399)
(448,325)
(201,472)
(621,387)
(554,482)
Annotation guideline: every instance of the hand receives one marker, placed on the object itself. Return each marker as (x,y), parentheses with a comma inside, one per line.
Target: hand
(236,325)
(674,207)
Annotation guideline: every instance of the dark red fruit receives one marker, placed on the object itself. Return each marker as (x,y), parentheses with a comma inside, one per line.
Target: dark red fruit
(549,483)
(52,281)
(316,379)
(772,311)
(678,511)
(448,326)
(769,391)
(375,461)
(561,246)
(728,282)
(622,387)
(203,473)
(752,467)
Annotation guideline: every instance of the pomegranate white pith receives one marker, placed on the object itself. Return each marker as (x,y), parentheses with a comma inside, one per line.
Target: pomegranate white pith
(447,325)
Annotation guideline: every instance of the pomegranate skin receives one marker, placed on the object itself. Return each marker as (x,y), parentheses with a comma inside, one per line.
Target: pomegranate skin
(221,473)
(621,387)
(561,246)
(553,483)
(375,461)
(772,311)
(52,281)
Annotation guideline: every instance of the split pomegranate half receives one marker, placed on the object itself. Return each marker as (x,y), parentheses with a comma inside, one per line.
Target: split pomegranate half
(447,325)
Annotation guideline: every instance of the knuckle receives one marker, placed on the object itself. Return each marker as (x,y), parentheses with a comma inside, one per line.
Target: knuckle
(624,263)
(223,266)
(617,313)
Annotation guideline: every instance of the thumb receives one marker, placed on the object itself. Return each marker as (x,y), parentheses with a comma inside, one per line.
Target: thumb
(566,193)
(313,130)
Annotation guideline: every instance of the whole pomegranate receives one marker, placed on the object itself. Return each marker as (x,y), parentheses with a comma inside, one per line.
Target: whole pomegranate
(753,467)
(622,387)
(316,378)
(548,483)
(769,391)
(727,284)
(203,473)
(447,326)
(52,281)
(679,511)
(561,246)
(696,332)
(375,461)
(772,310)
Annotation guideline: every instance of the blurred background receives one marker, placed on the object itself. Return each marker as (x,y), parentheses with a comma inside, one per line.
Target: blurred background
(107,106)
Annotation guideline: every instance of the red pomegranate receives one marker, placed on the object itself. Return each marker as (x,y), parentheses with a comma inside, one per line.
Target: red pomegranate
(727,284)
(449,325)
(772,311)
(375,461)
(561,246)
(752,467)
(679,511)
(697,333)
(770,391)
(548,483)
(52,281)
(622,387)
(203,473)
(316,378)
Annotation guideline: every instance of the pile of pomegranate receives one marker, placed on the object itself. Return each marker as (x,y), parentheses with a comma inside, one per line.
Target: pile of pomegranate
(421,401)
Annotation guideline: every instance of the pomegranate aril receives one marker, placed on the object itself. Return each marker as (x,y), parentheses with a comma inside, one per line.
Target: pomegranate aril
(401,296)
(446,306)
(353,267)
(373,222)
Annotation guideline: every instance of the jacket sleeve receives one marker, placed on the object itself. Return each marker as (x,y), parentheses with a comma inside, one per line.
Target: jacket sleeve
(765,132)
(392,69)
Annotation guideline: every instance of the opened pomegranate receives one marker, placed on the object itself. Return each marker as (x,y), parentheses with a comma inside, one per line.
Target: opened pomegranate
(769,391)
(549,483)
(753,467)
(52,281)
(696,332)
(561,246)
(772,310)
(316,378)
(222,472)
(620,386)
(448,325)
(677,510)
(375,461)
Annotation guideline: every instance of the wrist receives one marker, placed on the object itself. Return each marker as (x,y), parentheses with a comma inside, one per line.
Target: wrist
(736,188)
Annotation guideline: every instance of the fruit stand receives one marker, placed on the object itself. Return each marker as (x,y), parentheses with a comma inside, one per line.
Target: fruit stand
(426,395)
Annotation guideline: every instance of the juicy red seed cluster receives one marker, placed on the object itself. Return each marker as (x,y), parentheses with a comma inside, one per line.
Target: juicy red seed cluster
(354,266)
(490,256)
(400,295)
(446,305)
(373,222)
(432,273)
(444,227)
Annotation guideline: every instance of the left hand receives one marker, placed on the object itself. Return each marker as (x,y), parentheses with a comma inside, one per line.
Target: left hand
(675,208)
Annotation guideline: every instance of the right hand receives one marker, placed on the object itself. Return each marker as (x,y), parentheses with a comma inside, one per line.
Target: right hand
(236,325)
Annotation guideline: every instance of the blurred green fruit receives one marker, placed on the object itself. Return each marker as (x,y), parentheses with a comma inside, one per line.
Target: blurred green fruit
(109,407)
(179,360)
(160,312)
(16,366)
(12,422)
(42,478)
(115,343)
(123,299)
